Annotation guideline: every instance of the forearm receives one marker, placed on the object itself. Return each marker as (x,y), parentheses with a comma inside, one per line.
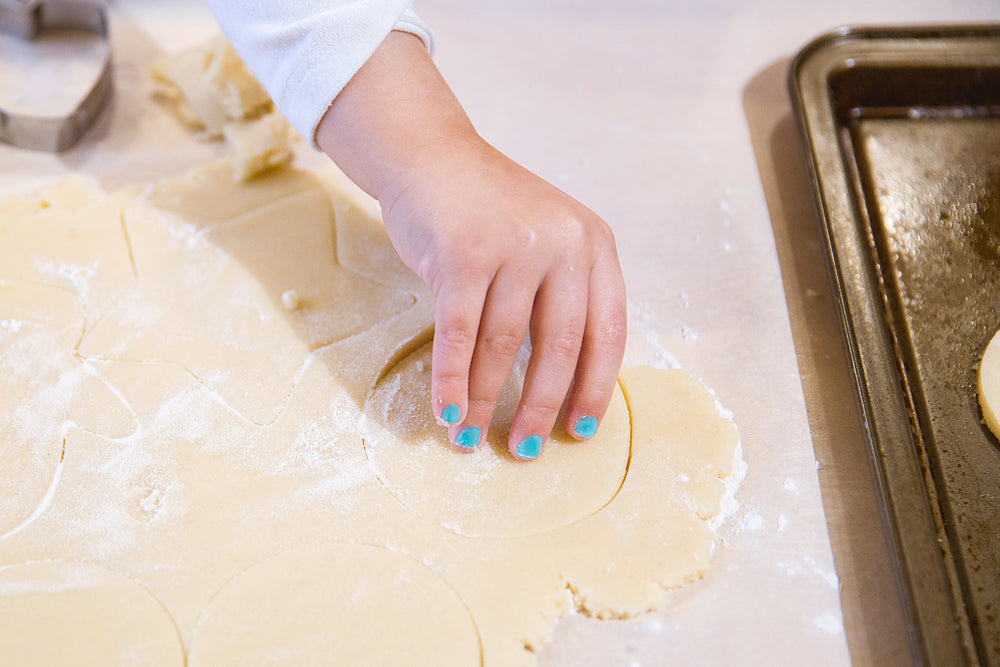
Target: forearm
(392,116)
(305,52)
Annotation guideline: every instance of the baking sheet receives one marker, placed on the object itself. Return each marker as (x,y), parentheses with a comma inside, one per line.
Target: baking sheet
(903,129)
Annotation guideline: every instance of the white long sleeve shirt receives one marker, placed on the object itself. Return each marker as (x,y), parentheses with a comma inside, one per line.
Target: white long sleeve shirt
(305,51)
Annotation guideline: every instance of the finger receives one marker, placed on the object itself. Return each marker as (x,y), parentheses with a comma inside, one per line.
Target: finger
(601,353)
(502,328)
(456,324)
(557,329)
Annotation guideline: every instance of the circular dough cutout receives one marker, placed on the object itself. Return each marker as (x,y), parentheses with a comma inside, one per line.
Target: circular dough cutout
(989,385)
(488,493)
(58,613)
(336,604)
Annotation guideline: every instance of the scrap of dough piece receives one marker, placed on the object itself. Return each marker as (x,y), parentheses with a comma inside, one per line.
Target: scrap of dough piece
(290,299)
(58,613)
(338,604)
(210,86)
(487,493)
(258,144)
(211,89)
(989,384)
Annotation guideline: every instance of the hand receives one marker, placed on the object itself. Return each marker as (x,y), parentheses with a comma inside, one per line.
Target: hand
(505,253)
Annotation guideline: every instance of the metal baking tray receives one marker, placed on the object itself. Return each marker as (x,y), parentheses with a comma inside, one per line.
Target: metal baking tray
(902,130)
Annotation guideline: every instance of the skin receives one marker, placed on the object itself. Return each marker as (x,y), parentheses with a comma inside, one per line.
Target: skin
(505,253)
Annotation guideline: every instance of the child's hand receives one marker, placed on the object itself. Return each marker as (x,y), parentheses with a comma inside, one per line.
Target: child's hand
(504,252)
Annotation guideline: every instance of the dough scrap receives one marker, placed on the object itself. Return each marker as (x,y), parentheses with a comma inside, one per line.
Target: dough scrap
(258,144)
(219,440)
(63,613)
(210,86)
(210,89)
(989,385)
(375,607)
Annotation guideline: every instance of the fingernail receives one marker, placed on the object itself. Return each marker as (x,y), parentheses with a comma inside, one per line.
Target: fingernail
(468,437)
(530,447)
(451,415)
(586,427)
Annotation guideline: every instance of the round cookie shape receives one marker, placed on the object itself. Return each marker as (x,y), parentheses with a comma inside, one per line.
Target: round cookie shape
(61,613)
(336,604)
(488,493)
(989,385)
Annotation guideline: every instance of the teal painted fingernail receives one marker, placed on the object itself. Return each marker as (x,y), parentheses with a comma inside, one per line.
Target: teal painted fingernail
(468,437)
(530,447)
(451,415)
(586,427)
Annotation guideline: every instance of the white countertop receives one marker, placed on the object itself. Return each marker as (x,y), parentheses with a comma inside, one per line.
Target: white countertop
(672,121)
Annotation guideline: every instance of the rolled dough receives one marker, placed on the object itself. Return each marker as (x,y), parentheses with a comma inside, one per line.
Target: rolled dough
(268,473)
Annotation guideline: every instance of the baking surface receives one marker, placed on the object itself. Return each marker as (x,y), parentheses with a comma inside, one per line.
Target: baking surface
(666,119)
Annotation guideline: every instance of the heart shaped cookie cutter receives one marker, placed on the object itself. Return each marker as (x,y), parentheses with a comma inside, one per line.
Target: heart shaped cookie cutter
(26,19)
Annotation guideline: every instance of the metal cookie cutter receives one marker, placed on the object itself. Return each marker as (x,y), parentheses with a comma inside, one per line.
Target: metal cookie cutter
(26,19)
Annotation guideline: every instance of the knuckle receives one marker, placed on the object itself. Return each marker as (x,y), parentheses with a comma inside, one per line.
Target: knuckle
(480,409)
(573,231)
(545,408)
(604,232)
(599,395)
(502,344)
(455,335)
(450,380)
(446,270)
(613,336)
(565,344)
(480,404)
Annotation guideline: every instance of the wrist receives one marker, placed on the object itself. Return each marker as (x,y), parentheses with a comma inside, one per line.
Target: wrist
(431,160)
(395,115)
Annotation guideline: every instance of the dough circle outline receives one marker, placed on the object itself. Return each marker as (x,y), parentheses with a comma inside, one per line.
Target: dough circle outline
(330,600)
(488,494)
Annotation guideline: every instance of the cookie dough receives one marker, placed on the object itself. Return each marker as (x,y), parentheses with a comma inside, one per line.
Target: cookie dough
(257,470)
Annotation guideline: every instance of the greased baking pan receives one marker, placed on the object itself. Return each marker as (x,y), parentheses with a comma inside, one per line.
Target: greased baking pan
(902,129)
